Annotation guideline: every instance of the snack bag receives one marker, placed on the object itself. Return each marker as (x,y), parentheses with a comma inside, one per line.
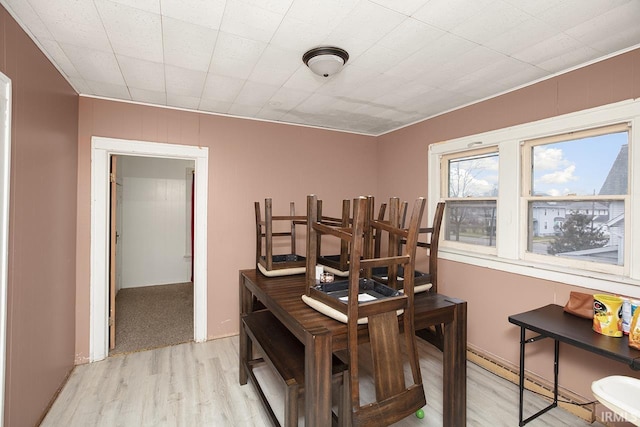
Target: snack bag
(634,331)
(607,315)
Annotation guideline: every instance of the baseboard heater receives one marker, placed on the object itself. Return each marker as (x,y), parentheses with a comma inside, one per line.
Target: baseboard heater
(579,406)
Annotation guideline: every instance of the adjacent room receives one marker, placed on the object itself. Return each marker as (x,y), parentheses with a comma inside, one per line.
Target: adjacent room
(153,245)
(141,139)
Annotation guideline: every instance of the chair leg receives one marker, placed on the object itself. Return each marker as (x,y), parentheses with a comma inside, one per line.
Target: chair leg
(344,406)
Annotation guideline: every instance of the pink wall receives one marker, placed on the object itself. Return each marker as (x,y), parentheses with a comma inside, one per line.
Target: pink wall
(248,161)
(615,79)
(41,291)
(48,295)
(251,160)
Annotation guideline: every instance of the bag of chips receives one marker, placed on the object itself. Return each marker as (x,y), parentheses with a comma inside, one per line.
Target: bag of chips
(607,312)
(634,331)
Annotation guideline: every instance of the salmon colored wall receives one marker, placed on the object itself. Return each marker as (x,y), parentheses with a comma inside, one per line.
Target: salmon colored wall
(248,161)
(42,231)
(494,295)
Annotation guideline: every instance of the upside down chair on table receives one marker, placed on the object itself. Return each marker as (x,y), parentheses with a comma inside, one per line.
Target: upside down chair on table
(267,262)
(359,300)
(423,281)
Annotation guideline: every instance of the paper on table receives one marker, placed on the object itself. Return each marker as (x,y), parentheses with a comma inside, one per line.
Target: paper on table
(361,298)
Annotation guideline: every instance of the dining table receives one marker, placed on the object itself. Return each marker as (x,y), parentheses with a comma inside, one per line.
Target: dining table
(322,335)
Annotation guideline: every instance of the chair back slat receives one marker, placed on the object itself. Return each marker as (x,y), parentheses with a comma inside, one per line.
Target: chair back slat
(386,355)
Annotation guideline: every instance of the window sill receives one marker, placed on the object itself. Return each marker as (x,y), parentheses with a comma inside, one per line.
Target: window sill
(587,279)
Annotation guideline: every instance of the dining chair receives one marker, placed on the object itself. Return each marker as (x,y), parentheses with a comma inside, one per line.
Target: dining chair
(387,275)
(338,264)
(374,233)
(388,315)
(433,334)
(423,281)
(267,261)
(431,245)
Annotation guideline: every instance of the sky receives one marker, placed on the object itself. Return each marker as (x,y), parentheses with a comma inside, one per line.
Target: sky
(575,167)
(571,167)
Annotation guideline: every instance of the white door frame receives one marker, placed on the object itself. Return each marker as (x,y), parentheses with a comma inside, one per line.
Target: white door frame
(101,150)
(5,167)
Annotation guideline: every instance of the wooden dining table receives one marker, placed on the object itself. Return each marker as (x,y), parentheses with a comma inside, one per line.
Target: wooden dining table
(322,336)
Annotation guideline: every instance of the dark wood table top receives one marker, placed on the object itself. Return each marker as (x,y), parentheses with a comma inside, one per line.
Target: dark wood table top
(552,321)
(322,335)
(282,295)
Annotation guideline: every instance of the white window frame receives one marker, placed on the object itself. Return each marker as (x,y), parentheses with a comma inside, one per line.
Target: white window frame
(526,197)
(512,226)
(444,191)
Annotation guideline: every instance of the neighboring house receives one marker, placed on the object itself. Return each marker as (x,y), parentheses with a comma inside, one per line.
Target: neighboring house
(617,183)
(548,217)
(610,222)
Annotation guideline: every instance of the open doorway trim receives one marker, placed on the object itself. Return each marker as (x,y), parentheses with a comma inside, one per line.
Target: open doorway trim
(5,175)
(101,151)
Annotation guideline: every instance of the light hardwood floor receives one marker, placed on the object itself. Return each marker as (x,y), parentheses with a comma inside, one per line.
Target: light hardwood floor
(197,385)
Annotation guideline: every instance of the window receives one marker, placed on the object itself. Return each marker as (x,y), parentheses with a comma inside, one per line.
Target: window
(585,176)
(471,182)
(552,199)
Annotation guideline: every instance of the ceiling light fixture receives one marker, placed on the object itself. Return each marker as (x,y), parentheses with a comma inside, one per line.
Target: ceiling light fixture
(325,61)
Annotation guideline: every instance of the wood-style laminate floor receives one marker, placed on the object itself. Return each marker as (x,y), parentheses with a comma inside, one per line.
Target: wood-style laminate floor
(196,384)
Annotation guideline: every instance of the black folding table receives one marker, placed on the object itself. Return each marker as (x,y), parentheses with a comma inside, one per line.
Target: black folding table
(552,322)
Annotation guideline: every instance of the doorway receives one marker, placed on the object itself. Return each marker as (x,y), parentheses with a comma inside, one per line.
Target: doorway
(151,253)
(5,166)
(102,150)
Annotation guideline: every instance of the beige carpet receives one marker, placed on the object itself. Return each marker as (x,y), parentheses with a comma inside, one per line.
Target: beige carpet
(153,316)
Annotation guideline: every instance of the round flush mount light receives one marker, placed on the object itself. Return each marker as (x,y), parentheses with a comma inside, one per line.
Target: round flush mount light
(325,61)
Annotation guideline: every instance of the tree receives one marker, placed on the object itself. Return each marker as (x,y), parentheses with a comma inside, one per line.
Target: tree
(463,182)
(576,234)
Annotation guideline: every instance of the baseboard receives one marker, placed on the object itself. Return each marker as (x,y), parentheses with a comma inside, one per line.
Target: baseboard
(55,396)
(580,406)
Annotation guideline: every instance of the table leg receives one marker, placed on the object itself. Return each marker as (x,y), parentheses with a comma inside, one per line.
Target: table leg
(244,354)
(556,359)
(317,367)
(245,349)
(454,410)
(521,383)
(554,404)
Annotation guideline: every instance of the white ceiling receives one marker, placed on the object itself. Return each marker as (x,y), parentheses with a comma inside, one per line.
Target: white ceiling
(409,59)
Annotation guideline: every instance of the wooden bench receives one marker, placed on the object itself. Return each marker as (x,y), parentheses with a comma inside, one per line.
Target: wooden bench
(284,353)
